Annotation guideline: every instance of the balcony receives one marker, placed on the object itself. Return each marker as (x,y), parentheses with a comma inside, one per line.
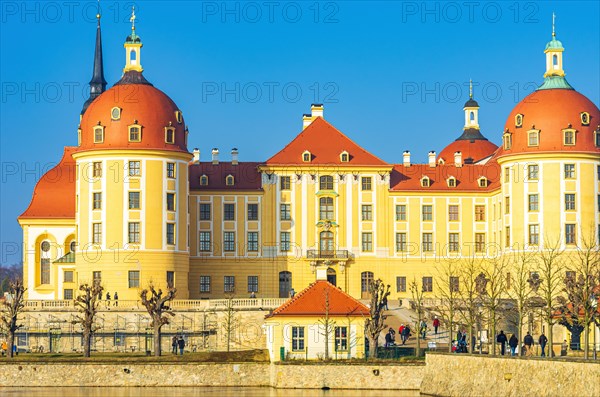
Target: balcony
(333,254)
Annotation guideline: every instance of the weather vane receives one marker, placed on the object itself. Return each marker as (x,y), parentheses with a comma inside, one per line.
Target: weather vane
(470,88)
(553,19)
(132,19)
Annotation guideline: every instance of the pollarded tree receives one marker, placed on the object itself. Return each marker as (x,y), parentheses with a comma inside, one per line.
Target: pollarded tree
(87,305)
(376,321)
(519,286)
(327,323)
(157,306)
(470,290)
(447,284)
(12,307)
(494,270)
(416,291)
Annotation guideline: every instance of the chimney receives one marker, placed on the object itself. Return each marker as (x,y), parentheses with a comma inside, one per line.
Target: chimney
(306,120)
(234,156)
(406,158)
(316,110)
(215,156)
(432,159)
(458,159)
(196,155)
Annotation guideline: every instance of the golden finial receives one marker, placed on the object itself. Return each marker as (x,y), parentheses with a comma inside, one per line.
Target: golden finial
(470,89)
(553,23)
(132,19)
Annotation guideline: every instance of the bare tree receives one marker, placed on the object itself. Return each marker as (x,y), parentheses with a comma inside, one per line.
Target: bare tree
(376,321)
(470,297)
(231,321)
(417,301)
(494,269)
(87,304)
(520,289)
(327,323)
(11,309)
(157,306)
(447,284)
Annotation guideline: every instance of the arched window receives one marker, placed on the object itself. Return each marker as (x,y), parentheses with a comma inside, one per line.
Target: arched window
(326,182)
(344,157)
(326,208)
(73,246)
(98,134)
(326,244)
(285,284)
(306,156)
(229,180)
(472,116)
(133,55)
(555,61)
(45,262)
(204,180)
(170,135)
(366,278)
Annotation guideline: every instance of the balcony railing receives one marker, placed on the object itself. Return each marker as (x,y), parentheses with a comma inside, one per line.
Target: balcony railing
(327,254)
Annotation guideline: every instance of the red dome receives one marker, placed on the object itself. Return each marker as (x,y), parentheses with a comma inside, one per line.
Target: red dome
(139,103)
(550,111)
(471,144)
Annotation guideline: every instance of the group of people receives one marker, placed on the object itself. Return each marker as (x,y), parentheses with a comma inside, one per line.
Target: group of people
(178,342)
(116,298)
(527,347)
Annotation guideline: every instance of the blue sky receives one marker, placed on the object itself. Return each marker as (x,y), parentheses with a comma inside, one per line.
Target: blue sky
(393,76)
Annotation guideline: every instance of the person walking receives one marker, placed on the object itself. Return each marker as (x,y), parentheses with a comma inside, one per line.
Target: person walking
(542,341)
(405,334)
(423,329)
(384,303)
(389,338)
(181,344)
(513,342)
(436,324)
(108,296)
(501,338)
(528,341)
(174,345)
(401,333)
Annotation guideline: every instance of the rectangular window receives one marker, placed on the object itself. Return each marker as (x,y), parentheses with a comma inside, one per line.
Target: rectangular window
(170,201)
(285,241)
(507,205)
(453,212)
(326,182)
(570,233)
(229,241)
(401,212)
(134,134)
(341,338)
(97,203)
(533,172)
(252,283)
(171,233)
(479,242)
(285,182)
(98,135)
(45,271)
(170,279)
(170,170)
(400,284)
(427,212)
(205,212)
(534,234)
(427,242)
(453,242)
(134,168)
(507,175)
(96,233)
(533,202)
(569,137)
(427,284)
(366,183)
(367,242)
(204,241)
(68,294)
(133,232)
(297,339)
(326,208)
(204,284)
(400,242)
(367,212)
(569,171)
(134,279)
(68,276)
(534,138)
(97,277)
(253,241)
(229,284)
(134,200)
(570,201)
(229,212)
(507,237)
(480,213)
(252,212)
(454,284)
(97,169)
(285,212)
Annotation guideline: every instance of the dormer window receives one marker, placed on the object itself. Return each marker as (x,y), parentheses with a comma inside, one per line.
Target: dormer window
(78,136)
(204,180)
(170,135)
(569,137)
(98,134)
(507,140)
(344,157)
(135,132)
(533,138)
(451,181)
(178,117)
(519,120)
(306,156)
(597,137)
(441,161)
(115,113)
(229,180)
(585,118)
(482,181)
(425,181)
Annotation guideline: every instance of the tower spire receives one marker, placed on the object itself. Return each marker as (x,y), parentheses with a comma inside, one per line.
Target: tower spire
(470,89)
(97,83)
(133,45)
(553,25)
(471,109)
(555,73)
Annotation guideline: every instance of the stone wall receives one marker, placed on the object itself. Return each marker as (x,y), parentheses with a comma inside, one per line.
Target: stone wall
(464,375)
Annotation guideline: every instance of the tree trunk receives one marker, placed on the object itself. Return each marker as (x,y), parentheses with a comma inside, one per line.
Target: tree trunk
(10,342)
(372,347)
(86,343)
(494,337)
(450,331)
(157,346)
(586,337)
(550,340)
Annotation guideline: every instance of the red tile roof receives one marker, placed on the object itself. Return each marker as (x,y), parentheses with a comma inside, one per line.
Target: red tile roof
(467,177)
(473,149)
(245,175)
(54,194)
(325,143)
(311,302)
